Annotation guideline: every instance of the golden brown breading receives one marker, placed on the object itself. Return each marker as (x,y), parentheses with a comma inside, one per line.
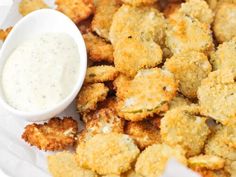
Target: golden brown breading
(4,33)
(230,134)
(139,2)
(90,95)
(105,9)
(76,10)
(111,153)
(210,162)
(185,33)
(224,25)
(136,55)
(147,94)
(189,69)
(177,101)
(185,127)
(100,73)
(57,134)
(98,49)
(27,6)
(121,84)
(171,8)
(211,173)
(218,99)
(141,23)
(131,173)
(152,161)
(144,133)
(63,164)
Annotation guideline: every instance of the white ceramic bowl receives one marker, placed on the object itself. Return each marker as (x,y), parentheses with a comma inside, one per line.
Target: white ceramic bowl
(35,23)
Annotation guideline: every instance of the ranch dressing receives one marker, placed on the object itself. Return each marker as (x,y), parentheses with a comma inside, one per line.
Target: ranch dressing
(41,72)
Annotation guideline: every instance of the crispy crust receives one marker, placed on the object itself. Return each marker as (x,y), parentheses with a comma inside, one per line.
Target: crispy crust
(27,6)
(98,49)
(57,134)
(217,99)
(178,101)
(144,133)
(152,160)
(139,2)
(147,94)
(114,153)
(90,95)
(76,10)
(100,73)
(183,126)
(105,9)
(189,69)
(64,164)
(224,25)
(136,55)
(4,33)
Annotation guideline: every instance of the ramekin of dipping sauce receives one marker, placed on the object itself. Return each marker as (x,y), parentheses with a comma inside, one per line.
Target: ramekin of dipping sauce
(43,64)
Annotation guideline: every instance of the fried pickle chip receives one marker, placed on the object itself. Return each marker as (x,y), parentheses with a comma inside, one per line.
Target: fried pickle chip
(178,101)
(144,133)
(90,95)
(230,134)
(111,153)
(185,33)
(185,127)
(57,134)
(139,2)
(64,164)
(4,33)
(27,6)
(121,85)
(210,162)
(142,23)
(218,99)
(211,173)
(98,49)
(105,9)
(147,94)
(136,55)
(152,161)
(189,69)
(101,73)
(76,10)
(224,25)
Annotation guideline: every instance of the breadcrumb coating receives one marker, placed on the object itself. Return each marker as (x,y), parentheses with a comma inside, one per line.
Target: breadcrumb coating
(178,101)
(114,153)
(76,10)
(224,25)
(185,127)
(4,33)
(64,164)
(98,49)
(90,95)
(57,134)
(189,69)
(100,73)
(139,2)
(27,6)
(152,161)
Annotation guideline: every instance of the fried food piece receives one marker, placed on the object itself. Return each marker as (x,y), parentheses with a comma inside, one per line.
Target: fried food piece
(189,69)
(27,6)
(152,161)
(131,173)
(85,26)
(90,95)
(198,9)
(185,127)
(57,134)
(224,25)
(185,33)
(4,33)
(98,49)
(105,9)
(211,173)
(224,58)
(230,134)
(139,2)
(101,121)
(179,101)
(136,55)
(141,23)
(76,10)
(64,164)
(121,85)
(216,146)
(171,8)
(210,162)
(101,73)
(114,153)
(147,94)
(218,99)
(144,133)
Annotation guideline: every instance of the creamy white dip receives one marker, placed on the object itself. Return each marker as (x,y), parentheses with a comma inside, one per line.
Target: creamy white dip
(41,72)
